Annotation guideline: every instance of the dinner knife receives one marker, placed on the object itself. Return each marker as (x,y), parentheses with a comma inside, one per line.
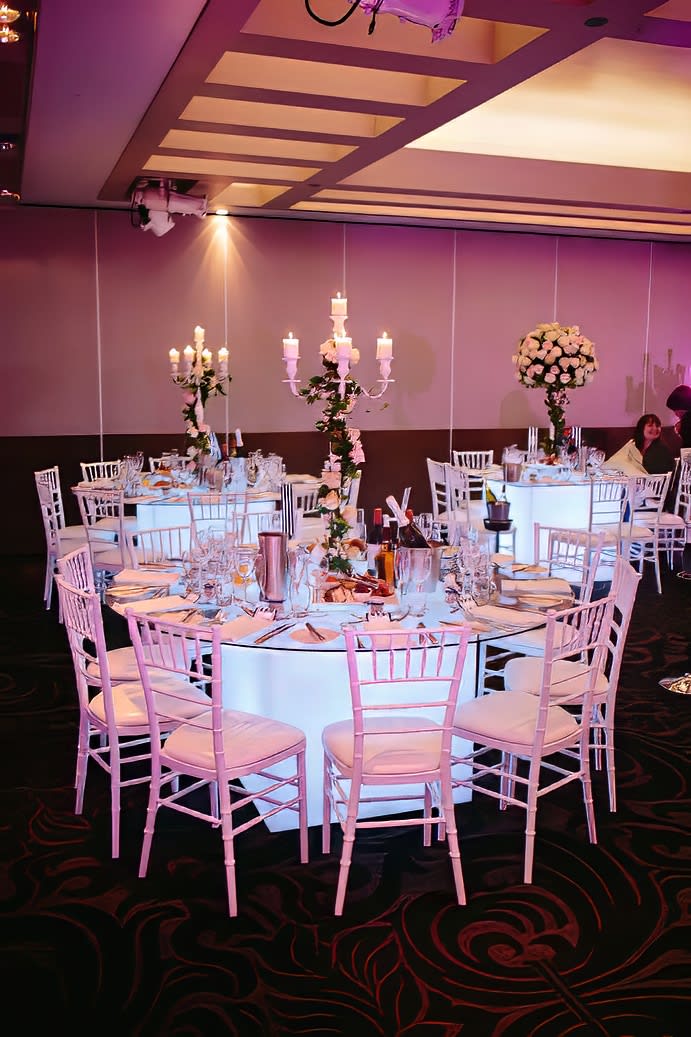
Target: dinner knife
(314,632)
(273,633)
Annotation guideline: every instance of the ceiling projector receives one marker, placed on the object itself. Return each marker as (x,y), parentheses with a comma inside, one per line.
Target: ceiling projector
(154,204)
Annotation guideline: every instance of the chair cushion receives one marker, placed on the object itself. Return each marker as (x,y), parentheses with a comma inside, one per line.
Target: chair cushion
(510,716)
(248,740)
(129,704)
(671,521)
(72,533)
(404,749)
(129,522)
(568,678)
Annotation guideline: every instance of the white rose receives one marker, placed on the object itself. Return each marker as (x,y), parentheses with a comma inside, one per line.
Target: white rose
(586,349)
(552,336)
(550,378)
(565,379)
(332,501)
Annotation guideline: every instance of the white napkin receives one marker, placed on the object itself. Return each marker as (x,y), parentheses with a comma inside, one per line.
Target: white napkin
(506,617)
(376,624)
(551,585)
(172,602)
(145,578)
(241,626)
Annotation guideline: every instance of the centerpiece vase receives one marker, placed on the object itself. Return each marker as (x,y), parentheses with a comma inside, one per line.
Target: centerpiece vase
(555,401)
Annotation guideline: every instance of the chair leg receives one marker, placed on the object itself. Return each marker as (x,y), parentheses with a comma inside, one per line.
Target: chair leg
(588,791)
(326,808)
(151,809)
(452,837)
(531,812)
(302,808)
(611,773)
(427,829)
(229,859)
(347,851)
(82,764)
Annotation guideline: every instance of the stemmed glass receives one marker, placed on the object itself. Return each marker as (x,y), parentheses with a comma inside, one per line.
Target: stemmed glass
(244,558)
(298,587)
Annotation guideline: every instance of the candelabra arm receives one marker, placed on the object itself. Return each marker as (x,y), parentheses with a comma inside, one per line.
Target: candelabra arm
(373,394)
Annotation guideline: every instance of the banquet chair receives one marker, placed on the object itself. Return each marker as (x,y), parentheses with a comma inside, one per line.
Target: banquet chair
(569,676)
(534,728)
(404,689)
(92,470)
(76,570)
(303,499)
(572,557)
(473,459)
(459,498)
(216,749)
(51,477)
(354,490)
(641,535)
(56,543)
(674,525)
(103,518)
(438,489)
(223,510)
(113,722)
(161,545)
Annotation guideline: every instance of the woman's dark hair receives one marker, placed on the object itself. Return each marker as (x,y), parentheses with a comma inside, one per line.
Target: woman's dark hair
(640,425)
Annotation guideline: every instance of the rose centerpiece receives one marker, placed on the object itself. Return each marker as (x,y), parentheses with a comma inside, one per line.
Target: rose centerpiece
(345,449)
(555,358)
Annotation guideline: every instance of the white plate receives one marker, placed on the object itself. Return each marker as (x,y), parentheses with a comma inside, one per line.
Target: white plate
(306,638)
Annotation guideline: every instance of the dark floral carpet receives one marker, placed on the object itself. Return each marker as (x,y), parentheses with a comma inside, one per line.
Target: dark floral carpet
(599,944)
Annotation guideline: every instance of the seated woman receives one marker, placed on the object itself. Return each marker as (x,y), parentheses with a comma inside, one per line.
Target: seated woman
(644,454)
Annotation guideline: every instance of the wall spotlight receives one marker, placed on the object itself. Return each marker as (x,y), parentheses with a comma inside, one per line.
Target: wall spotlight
(153,205)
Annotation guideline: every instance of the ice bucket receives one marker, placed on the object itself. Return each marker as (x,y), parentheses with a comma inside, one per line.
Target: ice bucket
(271,565)
(498,511)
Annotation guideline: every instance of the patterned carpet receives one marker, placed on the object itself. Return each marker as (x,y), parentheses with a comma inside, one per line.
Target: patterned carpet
(599,944)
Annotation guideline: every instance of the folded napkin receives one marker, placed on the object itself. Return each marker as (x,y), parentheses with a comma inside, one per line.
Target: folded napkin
(145,577)
(507,617)
(169,604)
(551,585)
(377,624)
(241,626)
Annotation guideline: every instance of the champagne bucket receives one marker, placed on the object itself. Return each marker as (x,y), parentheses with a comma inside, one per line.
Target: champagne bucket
(498,511)
(271,568)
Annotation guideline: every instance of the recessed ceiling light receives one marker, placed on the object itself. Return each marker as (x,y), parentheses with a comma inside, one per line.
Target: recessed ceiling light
(595,23)
(8,35)
(7,145)
(221,212)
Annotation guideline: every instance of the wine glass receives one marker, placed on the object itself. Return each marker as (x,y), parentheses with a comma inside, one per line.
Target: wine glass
(420,569)
(298,586)
(243,566)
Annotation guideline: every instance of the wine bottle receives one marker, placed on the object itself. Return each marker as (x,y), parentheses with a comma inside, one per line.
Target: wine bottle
(409,533)
(374,540)
(385,560)
(240,450)
(490,496)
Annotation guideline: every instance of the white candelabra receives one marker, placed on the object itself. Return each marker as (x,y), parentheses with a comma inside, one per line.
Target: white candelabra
(197,360)
(343,354)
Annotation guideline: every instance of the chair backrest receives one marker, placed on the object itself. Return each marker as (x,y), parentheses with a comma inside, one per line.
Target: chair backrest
(437,484)
(216,510)
(609,499)
(625,583)
(49,515)
(354,490)
(50,477)
(473,459)
(92,470)
(102,511)
(303,498)
(75,568)
(411,675)
(457,492)
(572,554)
(682,501)
(648,493)
(81,615)
(579,633)
(164,544)
(168,649)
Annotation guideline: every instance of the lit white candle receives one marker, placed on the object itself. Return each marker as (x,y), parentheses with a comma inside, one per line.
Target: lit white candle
(174,355)
(198,335)
(189,354)
(206,356)
(290,347)
(339,306)
(384,347)
(223,361)
(344,348)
